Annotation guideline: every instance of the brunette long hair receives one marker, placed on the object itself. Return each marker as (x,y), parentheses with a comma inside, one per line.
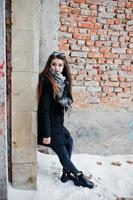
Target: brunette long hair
(45,72)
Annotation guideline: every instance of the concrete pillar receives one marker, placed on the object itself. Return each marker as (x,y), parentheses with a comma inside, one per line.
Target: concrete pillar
(49,25)
(25,56)
(3,118)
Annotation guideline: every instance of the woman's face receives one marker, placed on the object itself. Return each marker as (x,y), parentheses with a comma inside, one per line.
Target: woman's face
(57,65)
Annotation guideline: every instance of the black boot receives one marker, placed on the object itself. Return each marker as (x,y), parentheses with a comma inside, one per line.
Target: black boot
(66,176)
(81,180)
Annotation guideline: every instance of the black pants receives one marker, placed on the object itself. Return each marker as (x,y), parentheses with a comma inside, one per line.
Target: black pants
(64,154)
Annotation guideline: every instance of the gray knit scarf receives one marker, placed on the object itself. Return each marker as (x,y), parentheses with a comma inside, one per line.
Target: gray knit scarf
(62,97)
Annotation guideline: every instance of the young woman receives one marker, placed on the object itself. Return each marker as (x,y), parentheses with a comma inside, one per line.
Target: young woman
(54,98)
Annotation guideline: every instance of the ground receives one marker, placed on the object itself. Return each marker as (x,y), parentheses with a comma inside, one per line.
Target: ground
(112,175)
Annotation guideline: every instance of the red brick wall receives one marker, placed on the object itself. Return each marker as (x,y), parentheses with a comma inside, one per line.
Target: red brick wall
(97,36)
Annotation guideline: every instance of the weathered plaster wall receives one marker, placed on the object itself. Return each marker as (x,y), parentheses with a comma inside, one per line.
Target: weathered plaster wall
(3,121)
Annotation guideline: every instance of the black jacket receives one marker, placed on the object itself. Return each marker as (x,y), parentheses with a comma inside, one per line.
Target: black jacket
(50,116)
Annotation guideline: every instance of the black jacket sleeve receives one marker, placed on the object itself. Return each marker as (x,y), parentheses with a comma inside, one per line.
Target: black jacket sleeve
(44,124)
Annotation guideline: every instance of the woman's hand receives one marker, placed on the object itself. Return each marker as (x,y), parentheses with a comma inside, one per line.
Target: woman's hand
(47,140)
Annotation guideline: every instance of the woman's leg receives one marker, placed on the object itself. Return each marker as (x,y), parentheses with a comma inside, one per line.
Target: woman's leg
(68,144)
(65,160)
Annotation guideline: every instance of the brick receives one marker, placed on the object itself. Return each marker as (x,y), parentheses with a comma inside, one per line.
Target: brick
(79,89)
(94,89)
(126,90)
(80,61)
(129,5)
(117,21)
(84,48)
(130,45)
(129,10)
(121,78)
(106,15)
(96,77)
(93,100)
(107,89)
(65,35)
(63,28)
(101,20)
(89,43)
(98,43)
(102,32)
(107,44)
(110,21)
(83,5)
(121,4)
(129,16)
(129,79)
(75,11)
(121,16)
(72,30)
(64,46)
(95,37)
(65,9)
(81,42)
(104,38)
(91,19)
(98,25)
(109,61)
(116,27)
(88,78)
(123,38)
(113,78)
(101,8)
(79,77)
(125,56)
(75,17)
(109,83)
(104,77)
(89,66)
(101,61)
(94,49)
(110,55)
(113,33)
(75,47)
(130,51)
(95,55)
(93,7)
(81,30)
(105,49)
(78,1)
(63,40)
(118,61)
(118,50)
(86,25)
(94,13)
(126,62)
(71,41)
(74,71)
(114,39)
(85,12)
(81,36)
(92,72)
(69,22)
(78,54)
(77,83)
(82,72)
(92,83)
(125,84)
(131,39)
